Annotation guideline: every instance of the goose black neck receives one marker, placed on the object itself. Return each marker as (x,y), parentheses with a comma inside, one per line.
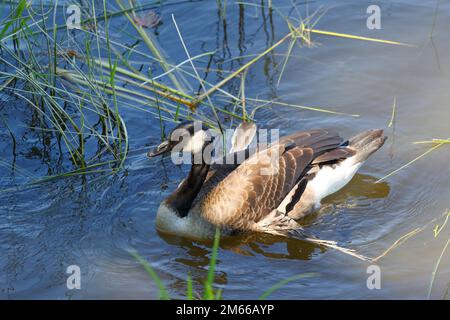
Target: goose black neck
(182,198)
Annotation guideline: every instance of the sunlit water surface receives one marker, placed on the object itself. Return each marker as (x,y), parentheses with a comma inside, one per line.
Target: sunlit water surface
(96,223)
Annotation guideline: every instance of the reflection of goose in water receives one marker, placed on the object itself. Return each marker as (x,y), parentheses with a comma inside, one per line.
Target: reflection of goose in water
(196,258)
(260,195)
(359,191)
(362,185)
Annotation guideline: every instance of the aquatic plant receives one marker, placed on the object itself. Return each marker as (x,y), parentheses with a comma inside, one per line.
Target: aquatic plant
(80,88)
(437,230)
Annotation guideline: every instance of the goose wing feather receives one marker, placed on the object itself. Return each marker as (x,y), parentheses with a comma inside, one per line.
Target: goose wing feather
(241,196)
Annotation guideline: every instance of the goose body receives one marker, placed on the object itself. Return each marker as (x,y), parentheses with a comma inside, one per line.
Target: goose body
(261,195)
(191,226)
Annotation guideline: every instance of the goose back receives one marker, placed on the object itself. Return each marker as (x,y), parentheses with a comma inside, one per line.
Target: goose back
(239,196)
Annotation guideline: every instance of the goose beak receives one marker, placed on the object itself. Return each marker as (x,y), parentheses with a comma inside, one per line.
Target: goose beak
(163,148)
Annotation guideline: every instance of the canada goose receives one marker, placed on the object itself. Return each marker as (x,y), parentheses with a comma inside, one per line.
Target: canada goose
(308,166)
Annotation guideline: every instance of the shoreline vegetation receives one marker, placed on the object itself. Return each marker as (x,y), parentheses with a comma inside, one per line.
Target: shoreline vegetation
(98,78)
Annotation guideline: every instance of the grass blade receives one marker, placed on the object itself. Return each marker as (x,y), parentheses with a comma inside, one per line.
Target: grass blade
(209,293)
(350,36)
(394,111)
(410,162)
(163,294)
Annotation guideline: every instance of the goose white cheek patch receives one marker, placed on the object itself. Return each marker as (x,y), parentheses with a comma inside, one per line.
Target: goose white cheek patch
(188,146)
(195,143)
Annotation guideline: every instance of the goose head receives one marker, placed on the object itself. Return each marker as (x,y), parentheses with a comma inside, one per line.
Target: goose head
(189,137)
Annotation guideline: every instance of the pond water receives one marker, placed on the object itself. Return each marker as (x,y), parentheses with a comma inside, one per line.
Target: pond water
(95,223)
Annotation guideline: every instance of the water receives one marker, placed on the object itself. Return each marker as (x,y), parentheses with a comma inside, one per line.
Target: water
(95,223)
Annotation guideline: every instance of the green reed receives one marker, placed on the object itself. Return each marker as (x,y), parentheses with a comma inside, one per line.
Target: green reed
(91,78)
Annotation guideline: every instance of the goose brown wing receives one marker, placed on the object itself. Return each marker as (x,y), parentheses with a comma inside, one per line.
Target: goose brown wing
(334,155)
(251,191)
(327,147)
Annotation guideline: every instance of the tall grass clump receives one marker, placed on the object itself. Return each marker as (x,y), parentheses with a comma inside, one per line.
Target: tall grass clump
(79,83)
(83,123)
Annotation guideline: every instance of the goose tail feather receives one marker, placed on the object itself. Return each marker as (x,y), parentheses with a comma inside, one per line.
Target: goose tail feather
(366,143)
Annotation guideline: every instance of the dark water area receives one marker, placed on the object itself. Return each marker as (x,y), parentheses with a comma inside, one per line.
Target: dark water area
(95,221)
